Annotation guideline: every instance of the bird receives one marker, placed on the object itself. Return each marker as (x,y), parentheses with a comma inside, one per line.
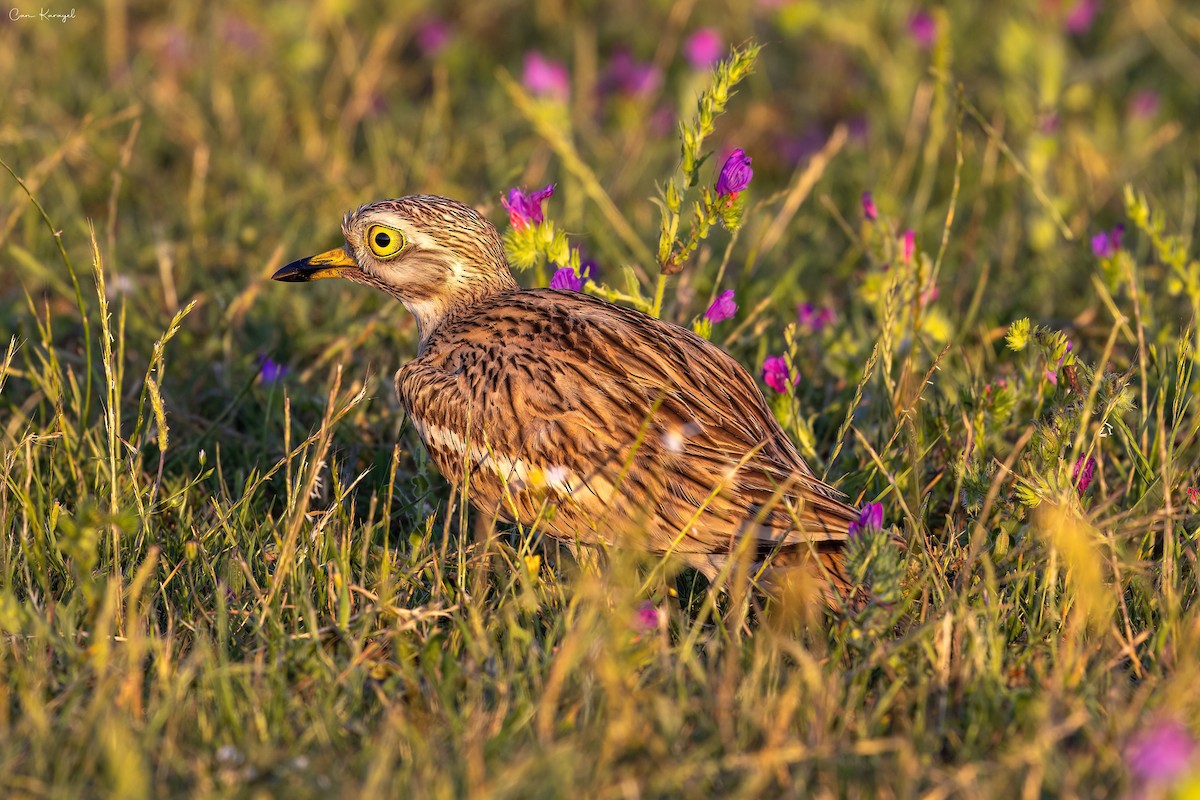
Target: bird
(600,424)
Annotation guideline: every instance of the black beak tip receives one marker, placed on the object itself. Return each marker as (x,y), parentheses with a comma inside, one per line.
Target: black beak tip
(295,272)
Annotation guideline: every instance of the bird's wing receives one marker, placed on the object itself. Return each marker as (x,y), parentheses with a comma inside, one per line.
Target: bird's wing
(627,417)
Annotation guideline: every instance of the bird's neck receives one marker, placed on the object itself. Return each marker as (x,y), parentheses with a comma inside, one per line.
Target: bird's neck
(433,311)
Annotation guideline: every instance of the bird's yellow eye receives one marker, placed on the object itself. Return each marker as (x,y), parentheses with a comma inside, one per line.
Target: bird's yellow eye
(384,242)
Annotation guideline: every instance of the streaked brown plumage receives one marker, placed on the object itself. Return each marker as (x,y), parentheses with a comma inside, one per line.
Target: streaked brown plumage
(637,432)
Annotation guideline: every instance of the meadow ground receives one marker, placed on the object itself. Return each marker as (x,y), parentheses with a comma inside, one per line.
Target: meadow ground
(228,568)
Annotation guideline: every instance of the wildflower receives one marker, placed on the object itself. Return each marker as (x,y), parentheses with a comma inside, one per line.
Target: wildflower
(735,175)
(1084,472)
(646,617)
(239,33)
(868,207)
(1193,494)
(1144,104)
(813,318)
(870,518)
(923,29)
(703,48)
(722,308)
(432,36)
(270,370)
(544,77)
(775,373)
(565,280)
(1052,374)
(1163,753)
(1107,243)
(526,209)
(626,75)
(1080,17)
(909,244)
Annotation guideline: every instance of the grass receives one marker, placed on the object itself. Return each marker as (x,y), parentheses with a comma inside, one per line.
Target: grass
(219,581)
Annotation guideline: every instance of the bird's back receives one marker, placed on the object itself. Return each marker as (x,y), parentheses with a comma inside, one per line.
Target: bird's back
(635,431)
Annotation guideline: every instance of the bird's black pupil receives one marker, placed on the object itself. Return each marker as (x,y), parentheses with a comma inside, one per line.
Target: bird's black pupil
(382,239)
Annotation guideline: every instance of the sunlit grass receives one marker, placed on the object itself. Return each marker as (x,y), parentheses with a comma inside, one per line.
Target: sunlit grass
(220,579)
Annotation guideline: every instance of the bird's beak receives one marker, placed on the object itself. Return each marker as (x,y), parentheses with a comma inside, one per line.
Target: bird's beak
(333,264)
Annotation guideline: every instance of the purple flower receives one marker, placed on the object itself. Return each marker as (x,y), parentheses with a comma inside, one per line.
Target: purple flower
(270,370)
(1085,470)
(646,617)
(775,373)
(1144,104)
(870,518)
(703,48)
(526,209)
(432,36)
(735,175)
(625,75)
(909,244)
(868,206)
(722,308)
(544,77)
(565,280)
(813,318)
(1163,753)
(923,29)
(1080,16)
(1107,243)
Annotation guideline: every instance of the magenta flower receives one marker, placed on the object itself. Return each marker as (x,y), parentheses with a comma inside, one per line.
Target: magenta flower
(923,29)
(870,518)
(269,370)
(813,318)
(1107,243)
(626,75)
(909,244)
(432,36)
(775,373)
(565,280)
(1144,104)
(735,175)
(868,206)
(703,48)
(1080,16)
(526,209)
(646,617)
(544,77)
(1085,470)
(1162,754)
(722,308)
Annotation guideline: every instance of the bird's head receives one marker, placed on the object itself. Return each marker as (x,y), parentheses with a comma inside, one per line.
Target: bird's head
(433,254)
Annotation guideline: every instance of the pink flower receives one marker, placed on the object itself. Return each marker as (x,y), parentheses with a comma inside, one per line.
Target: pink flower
(813,318)
(722,308)
(775,373)
(625,75)
(735,174)
(432,36)
(1081,476)
(1162,754)
(703,48)
(1193,494)
(526,209)
(646,617)
(870,518)
(868,206)
(1081,16)
(923,29)
(544,77)
(909,244)
(1144,104)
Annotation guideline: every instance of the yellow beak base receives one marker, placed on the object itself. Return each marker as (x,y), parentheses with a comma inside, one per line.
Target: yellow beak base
(332,264)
